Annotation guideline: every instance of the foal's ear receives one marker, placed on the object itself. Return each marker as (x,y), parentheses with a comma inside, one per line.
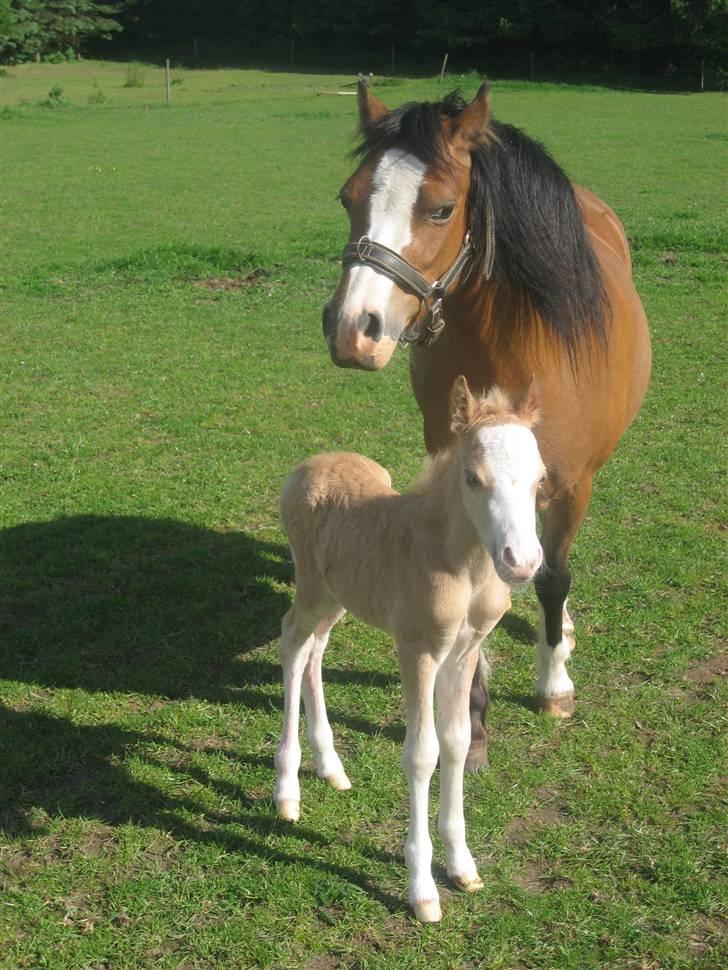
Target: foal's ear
(528,406)
(463,406)
(470,128)
(371,109)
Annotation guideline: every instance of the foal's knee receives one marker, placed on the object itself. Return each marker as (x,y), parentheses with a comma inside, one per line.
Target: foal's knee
(455,741)
(419,757)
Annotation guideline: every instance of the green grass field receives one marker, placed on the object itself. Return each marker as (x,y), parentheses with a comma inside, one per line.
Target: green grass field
(162,369)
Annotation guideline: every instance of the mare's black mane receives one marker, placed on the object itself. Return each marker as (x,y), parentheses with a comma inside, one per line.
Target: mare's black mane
(544,261)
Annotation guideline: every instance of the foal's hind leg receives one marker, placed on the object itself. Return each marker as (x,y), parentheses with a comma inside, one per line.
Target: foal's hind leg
(294,649)
(320,736)
(555,690)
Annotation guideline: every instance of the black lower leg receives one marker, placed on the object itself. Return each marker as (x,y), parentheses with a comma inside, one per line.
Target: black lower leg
(552,588)
(479,701)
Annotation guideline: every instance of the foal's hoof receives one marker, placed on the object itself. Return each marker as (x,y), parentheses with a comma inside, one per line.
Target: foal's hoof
(477,759)
(428,911)
(289,809)
(560,705)
(338,781)
(467,885)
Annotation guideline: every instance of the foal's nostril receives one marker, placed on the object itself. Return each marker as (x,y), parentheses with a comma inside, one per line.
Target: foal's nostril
(371,325)
(508,558)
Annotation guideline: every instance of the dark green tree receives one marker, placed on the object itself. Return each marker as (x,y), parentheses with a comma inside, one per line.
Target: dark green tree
(66,25)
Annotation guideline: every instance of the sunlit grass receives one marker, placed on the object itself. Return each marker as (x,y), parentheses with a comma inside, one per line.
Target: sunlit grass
(162,368)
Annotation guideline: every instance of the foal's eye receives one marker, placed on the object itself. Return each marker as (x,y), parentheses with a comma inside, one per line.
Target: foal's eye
(472,480)
(443,213)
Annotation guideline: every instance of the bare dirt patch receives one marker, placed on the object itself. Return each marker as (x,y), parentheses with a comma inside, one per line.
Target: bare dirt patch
(533,879)
(709,933)
(708,670)
(546,813)
(240,282)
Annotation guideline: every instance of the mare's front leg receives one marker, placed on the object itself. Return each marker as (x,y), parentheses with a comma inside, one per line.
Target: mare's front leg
(555,690)
(453,730)
(418,670)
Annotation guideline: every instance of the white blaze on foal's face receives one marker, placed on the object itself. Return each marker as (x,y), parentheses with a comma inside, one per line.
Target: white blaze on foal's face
(502,470)
(396,186)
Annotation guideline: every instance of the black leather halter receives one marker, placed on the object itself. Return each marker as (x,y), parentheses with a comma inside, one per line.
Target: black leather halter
(369,253)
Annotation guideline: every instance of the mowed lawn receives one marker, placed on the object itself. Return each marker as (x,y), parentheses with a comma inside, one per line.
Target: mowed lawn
(162,369)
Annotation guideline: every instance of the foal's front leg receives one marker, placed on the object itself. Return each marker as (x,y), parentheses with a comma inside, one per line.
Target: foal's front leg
(453,731)
(418,670)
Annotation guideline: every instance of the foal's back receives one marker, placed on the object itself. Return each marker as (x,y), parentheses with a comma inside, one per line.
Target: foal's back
(356,542)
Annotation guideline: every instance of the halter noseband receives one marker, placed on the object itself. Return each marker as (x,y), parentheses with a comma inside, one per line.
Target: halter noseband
(371,253)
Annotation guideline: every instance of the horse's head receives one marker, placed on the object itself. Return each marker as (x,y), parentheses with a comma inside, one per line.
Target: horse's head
(501,471)
(408,211)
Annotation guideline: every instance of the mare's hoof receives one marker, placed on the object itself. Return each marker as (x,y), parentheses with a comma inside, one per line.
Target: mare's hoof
(289,809)
(477,759)
(338,781)
(428,911)
(467,885)
(560,705)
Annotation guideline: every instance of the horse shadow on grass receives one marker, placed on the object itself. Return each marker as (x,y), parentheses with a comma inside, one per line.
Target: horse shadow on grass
(130,605)
(155,606)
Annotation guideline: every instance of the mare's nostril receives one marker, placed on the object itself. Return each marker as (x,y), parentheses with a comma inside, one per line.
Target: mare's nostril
(371,325)
(328,320)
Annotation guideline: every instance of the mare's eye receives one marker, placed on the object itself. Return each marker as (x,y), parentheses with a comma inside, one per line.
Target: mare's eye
(472,480)
(542,483)
(443,213)
(344,199)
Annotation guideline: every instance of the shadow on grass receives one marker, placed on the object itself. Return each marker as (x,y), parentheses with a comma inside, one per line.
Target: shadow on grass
(71,770)
(155,607)
(135,604)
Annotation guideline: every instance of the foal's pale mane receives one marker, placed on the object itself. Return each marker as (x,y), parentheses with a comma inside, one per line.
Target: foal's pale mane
(492,409)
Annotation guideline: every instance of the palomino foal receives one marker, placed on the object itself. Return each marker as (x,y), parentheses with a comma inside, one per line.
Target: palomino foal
(432,567)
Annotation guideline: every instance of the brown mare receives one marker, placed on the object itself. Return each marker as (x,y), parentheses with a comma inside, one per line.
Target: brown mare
(468,242)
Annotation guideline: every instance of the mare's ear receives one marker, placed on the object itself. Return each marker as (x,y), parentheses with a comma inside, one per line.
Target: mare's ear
(463,406)
(470,129)
(528,406)
(371,109)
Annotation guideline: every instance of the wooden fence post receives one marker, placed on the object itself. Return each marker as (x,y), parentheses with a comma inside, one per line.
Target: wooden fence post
(444,65)
(166,78)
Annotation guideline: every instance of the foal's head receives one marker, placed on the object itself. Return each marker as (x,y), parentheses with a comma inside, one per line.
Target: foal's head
(500,471)
(410,194)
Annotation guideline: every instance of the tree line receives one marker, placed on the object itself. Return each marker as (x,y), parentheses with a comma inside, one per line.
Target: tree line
(654,36)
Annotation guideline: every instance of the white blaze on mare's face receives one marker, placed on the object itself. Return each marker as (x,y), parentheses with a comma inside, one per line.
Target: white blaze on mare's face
(504,512)
(395,186)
